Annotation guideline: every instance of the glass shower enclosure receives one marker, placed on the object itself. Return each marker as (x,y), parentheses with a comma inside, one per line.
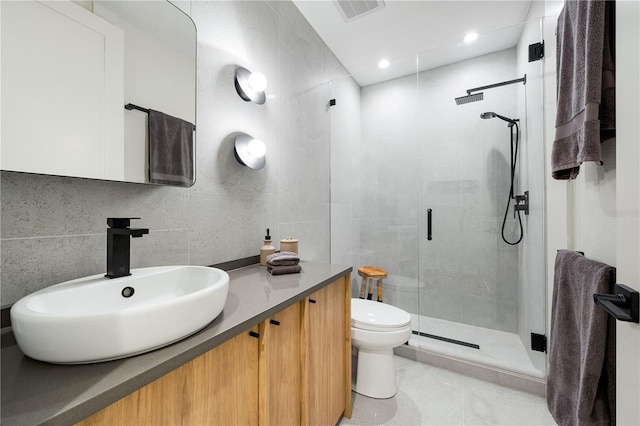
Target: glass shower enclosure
(420,186)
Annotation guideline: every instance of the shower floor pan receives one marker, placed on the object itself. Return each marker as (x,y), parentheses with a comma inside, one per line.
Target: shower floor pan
(501,357)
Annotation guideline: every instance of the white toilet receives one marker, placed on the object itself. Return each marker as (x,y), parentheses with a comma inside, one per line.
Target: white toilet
(377,328)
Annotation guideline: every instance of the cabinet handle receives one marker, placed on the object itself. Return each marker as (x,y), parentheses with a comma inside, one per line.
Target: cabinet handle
(312,301)
(429,237)
(254,334)
(274,322)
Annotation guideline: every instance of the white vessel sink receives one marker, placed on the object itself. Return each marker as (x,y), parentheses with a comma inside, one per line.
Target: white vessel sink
(96,319)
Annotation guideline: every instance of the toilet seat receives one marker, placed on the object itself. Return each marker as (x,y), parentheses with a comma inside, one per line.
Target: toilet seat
(376,316)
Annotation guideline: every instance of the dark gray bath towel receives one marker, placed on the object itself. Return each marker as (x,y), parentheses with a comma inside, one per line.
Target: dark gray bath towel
(586,85)
(170,150)
(281,270)
(581,377)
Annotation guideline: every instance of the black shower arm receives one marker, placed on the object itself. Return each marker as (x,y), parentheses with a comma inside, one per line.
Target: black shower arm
(522,80)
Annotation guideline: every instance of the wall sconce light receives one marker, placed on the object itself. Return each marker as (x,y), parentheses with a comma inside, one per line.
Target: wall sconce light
(249,151)
(250,85)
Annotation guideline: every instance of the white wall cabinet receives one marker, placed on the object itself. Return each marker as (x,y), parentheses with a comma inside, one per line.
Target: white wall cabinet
(61,116)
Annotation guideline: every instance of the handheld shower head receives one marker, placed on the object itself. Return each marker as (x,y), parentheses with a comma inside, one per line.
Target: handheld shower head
(487,115)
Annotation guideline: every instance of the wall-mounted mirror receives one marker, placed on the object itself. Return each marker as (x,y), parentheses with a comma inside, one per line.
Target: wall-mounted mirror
(69,69)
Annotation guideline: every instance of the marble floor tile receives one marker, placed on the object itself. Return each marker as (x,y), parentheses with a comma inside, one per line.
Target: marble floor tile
(433,396)
(491,404)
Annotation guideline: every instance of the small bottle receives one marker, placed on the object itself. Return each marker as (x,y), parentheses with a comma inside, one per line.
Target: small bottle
(266,249)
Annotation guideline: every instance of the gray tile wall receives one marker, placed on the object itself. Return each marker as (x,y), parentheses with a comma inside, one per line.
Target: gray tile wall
(54,228)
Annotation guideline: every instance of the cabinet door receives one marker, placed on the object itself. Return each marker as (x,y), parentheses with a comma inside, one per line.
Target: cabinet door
(62,91)
(217,388)
(281,368)
(223,385)
(328,344)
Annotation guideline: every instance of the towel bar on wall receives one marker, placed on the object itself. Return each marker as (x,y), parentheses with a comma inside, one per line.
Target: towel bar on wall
(131,106)
(623,305)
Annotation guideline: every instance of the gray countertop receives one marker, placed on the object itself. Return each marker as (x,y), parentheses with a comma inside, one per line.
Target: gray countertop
(35,392)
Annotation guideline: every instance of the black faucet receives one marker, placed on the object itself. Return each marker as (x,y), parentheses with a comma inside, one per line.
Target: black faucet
(119,244)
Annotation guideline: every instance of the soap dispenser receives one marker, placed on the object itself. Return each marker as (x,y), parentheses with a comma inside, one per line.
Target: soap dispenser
(266,249)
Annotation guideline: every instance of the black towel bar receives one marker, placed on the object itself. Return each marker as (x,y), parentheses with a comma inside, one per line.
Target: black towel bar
(623,305)
(131,106)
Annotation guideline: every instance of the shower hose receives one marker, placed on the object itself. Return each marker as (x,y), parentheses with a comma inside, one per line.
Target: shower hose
(514,157)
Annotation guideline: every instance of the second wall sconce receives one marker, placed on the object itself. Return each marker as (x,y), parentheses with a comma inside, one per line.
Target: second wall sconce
(249,151)
(251,85)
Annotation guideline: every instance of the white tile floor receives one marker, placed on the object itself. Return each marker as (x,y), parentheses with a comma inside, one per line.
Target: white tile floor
(432,396)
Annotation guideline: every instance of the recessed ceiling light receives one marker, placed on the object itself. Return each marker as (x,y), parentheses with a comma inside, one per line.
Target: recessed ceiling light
(383,63)
(470,37)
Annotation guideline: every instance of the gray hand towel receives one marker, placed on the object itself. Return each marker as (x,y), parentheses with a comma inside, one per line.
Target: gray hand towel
(283,258)
(281,270)
(586,85)
(170,150)
(581,377)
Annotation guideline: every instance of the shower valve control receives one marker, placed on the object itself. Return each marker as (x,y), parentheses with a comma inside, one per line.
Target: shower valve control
(522,204)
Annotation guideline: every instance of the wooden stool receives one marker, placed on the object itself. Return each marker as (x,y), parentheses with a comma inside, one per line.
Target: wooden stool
(371,273)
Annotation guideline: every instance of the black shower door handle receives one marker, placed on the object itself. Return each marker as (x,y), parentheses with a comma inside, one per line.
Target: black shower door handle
(429,237)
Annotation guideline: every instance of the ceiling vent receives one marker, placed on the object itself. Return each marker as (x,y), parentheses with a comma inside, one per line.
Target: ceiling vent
(352,9)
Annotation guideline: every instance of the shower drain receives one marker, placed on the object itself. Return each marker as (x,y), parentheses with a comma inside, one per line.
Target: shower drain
(446,339)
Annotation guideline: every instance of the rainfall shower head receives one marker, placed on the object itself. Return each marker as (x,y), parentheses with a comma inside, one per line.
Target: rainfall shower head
(469,98)
(479,96)
(487,115)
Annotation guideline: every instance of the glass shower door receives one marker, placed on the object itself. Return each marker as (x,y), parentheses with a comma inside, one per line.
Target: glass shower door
(480,296)
(375,181)
(403,146)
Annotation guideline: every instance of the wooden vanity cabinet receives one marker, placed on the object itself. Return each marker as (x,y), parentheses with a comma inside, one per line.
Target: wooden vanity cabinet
(292,369)
(281,368)
(326,320)
(305,360)
(221,384)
